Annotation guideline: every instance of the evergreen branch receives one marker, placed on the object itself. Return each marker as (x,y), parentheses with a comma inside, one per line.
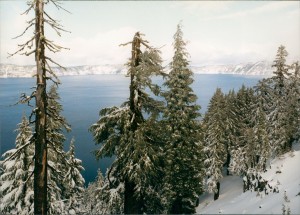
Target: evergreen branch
(17,152)
(53,169)
(54,148)
(29,177)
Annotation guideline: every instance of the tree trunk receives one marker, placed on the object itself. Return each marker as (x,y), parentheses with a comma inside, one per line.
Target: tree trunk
(228,163)
(216,195)
(176,207)
(131,204)
(40,171)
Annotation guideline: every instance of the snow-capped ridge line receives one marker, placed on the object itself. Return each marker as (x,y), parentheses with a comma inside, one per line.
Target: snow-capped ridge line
(17,71)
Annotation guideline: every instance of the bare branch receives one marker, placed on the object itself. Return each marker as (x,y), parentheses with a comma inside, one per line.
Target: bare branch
(29,53)
(55,26)
(56,3)
(146,45)
(30,4)
(125,44)
(53,47)
(22,47)
(31,115)
(29,26)
(51,72)
(52,61)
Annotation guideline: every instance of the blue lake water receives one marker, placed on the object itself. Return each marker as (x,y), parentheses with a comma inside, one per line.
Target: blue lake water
(83,97)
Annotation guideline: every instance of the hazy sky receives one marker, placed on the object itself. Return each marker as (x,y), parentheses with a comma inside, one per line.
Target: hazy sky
(218,32)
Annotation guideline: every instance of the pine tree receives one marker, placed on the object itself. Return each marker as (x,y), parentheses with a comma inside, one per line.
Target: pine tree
(57,160)
(279,122)
(73,181)
(260,121)
(243,152)
(126,133)
(16,181)
(89,199)
(231,125)
(293,104)
(183,151)
(109,201)
(215,141)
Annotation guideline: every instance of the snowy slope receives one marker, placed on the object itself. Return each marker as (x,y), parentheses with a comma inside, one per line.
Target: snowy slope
(232,200)
(258,68)
(15,71)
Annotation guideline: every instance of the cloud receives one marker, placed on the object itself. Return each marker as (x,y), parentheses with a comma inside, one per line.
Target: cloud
(265,8)
(203,7)
(103,48)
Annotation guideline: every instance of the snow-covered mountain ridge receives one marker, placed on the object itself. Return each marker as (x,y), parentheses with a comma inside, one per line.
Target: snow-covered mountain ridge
(283,173)
(16,71)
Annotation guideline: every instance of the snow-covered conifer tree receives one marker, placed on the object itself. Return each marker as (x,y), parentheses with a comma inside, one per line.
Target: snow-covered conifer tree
(260,126)
(126,133)
(279,120)
(243,152)
(183,154)
(65,182)
(230,121)
(16,181)
(215,141)
(73,181)
(89,199)
(293,103)
(56,124)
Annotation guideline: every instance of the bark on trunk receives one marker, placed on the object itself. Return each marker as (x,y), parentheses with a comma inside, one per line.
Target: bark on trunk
(131,204)
(40,171)
(177,207)
(216,195)
(228,163)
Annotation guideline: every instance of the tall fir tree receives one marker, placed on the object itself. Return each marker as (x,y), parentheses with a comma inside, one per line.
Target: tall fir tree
(56,125)
(183,150)
(73,181)
(243,152)
(65,182)
(231,127)
(260,121)
(16,181)
(293,103)
(279,119)
(109,201)
(215,140)
(126,133)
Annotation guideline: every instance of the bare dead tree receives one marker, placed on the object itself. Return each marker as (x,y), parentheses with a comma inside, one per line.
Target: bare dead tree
(43,73)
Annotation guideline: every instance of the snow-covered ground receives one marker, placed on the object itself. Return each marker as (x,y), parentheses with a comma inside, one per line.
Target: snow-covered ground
(232,200)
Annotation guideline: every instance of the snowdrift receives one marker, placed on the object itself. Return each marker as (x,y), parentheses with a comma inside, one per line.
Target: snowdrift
(283,172)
